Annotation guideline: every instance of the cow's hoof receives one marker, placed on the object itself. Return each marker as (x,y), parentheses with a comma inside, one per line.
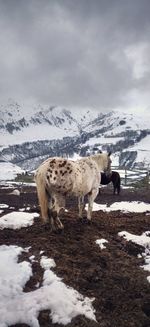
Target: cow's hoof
(59,231)
(46,226)
(87,221)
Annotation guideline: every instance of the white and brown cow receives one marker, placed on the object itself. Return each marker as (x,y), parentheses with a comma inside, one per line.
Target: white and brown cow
(57,178)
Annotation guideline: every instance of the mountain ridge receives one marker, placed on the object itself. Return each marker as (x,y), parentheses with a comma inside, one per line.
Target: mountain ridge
(28,137)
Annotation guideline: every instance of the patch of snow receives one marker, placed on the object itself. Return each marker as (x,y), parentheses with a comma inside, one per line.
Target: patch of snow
(143,240)
(18,307)
(101,243)
(4,206)
(15,192)
(17,220)
(9,171)
(125,206)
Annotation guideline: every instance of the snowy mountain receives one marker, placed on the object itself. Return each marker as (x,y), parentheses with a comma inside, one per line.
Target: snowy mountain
(31,134)
(39,123)
(9,171)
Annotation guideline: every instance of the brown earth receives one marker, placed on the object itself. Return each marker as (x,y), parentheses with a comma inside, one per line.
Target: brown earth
(112,276)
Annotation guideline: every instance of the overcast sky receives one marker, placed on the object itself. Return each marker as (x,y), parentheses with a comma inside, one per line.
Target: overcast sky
(76,53)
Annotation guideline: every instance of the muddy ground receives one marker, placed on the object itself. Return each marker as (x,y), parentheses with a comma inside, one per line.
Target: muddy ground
(112,276)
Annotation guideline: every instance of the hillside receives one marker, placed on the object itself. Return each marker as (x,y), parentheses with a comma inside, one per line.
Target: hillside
(29,135)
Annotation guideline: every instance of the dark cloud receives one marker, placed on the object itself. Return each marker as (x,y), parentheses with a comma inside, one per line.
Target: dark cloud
(75,53)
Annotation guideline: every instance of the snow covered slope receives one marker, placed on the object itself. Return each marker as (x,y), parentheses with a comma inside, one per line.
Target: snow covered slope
(31,134)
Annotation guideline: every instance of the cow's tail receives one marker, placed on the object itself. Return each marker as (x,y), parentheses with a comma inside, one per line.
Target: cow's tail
(42,196)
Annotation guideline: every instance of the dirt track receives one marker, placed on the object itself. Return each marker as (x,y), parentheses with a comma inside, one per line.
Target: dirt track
(112,276)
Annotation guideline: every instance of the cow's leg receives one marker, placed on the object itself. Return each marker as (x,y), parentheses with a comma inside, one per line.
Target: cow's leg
(59,223)
(54,220)
(80,205)
(91,197)
(51,210)
(59,203)
(115,187)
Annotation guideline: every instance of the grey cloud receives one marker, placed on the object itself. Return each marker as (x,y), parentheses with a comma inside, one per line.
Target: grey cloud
(72,52)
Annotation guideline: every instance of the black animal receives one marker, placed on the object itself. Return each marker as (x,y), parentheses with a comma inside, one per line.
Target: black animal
(114,177)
